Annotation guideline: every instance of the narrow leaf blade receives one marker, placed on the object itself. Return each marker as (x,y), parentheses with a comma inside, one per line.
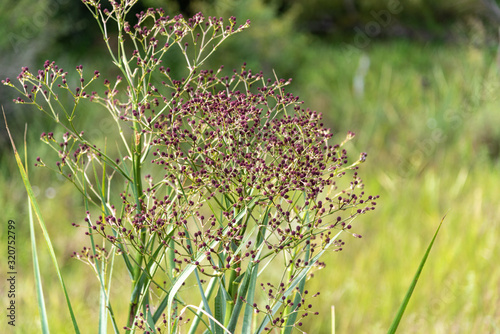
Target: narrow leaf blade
(41,222)
(38,279)
(402,308)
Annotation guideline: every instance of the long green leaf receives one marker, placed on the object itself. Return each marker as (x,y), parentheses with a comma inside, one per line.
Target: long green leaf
(188,270)
(292,316)
(178,284)
(199,314)
(101,267)
(402,308)
(110,309)
(38,279)
(220,308)
(104,297)
(36,269)
(296,281)
(249,310)
(41,222)
(145,280)
(249,278)
(204,300)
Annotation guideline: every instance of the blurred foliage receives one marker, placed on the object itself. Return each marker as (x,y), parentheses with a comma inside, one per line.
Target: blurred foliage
(283,32)
(418,18)
(336,19)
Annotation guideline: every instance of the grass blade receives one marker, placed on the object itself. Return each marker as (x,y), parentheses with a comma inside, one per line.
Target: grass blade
(188,270)
(296,281)
(249,310)
(402,308)
(103,301)
(110,309)
(292,315)
(41,222)
(207,294)
(205,300)
(219,308)
(200,309)
(36,268)
(38,279)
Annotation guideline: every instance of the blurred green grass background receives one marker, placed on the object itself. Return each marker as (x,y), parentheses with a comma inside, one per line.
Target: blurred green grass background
(424,108)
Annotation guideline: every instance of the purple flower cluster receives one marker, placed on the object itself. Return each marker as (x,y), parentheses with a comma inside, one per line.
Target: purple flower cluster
(263,161)
(239,172)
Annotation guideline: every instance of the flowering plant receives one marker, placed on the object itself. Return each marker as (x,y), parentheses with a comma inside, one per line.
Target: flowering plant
(219,177)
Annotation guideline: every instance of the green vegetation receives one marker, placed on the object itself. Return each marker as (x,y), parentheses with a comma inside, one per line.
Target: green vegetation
(427,116)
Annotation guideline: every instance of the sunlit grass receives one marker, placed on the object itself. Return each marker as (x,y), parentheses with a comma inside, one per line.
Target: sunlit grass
(420,178)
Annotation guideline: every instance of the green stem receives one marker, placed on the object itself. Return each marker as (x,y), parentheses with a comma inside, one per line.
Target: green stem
(133,307)
(233,292)
(122,64)
(290,272)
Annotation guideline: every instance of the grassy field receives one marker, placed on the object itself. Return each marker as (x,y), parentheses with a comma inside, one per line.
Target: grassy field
(428,117)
